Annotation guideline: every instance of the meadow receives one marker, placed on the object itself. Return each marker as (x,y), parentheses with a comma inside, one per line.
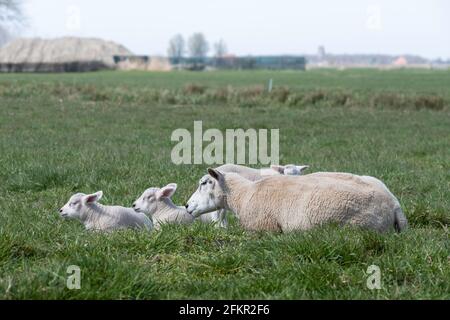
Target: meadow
(110,131)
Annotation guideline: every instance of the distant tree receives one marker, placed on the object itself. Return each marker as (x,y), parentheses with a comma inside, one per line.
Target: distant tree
(10,17)
(198,46)
(10,11)
(176,47)
(220,49)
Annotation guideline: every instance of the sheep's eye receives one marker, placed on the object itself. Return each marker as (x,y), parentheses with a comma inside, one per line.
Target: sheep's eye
(210,182)
(203,183)
(73,204)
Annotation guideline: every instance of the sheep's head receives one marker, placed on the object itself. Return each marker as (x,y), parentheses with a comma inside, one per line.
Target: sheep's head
(148,202)
(209,195)
(74,207)
(289,169)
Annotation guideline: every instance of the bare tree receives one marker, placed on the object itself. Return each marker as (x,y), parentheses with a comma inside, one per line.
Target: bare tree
(220,49)
(10,11)
(176,47)
(198,46)
(10,18)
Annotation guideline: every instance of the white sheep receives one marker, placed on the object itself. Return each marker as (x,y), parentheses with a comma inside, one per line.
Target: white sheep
(156,203)
(219,217)
(253,174)
(95,216)
(300,202)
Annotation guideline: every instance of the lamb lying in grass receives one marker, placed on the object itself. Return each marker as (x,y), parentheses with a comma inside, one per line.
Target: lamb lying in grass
(299,203)
(103,218)
(219,216)
(156,203)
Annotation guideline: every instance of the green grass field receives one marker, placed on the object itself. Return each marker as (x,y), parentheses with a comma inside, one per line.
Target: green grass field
(110,131)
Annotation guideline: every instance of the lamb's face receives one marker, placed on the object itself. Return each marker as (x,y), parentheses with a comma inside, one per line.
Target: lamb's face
(293,170)
(148,202)
(207,198)
(72,209)
(289,169)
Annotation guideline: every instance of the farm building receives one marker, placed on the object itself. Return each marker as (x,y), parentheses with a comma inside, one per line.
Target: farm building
(400,62)
(241,63)
(146,63)
(71,54)
(66,54)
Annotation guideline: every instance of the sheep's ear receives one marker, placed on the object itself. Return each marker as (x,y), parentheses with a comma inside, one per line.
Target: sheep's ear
(277,168)
(302,168)
(167,191)
(215,174)
(92,198)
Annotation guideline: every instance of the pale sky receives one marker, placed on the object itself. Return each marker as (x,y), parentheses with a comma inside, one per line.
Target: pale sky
(253,26)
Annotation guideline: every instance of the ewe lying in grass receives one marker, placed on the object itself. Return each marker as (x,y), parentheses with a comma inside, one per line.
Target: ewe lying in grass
(156,203)
(219,216)
(99,217)
(287,203)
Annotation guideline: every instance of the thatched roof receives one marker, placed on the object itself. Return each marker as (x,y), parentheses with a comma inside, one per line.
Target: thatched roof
(61,50)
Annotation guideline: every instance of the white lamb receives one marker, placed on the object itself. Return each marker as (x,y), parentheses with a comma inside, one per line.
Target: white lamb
(219,217)
(96,216)
(300,203)
(156,203)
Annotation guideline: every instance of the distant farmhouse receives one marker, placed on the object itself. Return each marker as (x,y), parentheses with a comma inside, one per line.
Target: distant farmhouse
(71,54)
(146,63)
(68,54)
(382,61)
(241,63)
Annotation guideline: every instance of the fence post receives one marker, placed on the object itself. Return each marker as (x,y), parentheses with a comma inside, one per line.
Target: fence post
(269,89)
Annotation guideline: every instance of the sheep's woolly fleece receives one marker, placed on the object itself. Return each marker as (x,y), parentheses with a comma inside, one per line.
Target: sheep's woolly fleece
(219,217)
(98,217)
(286,203)
(157,204)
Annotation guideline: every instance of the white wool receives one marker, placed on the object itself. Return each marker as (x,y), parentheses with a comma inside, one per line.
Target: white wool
(96,216)
(219,217)
(157,204)
(299,203)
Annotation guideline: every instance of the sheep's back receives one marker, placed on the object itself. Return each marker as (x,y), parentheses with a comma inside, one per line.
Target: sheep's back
(246,172)
(301,202)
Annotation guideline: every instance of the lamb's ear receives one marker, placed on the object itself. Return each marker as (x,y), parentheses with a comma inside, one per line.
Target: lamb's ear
(302,168)
(277,168)
(167,191)
(215,174)
(92,198)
